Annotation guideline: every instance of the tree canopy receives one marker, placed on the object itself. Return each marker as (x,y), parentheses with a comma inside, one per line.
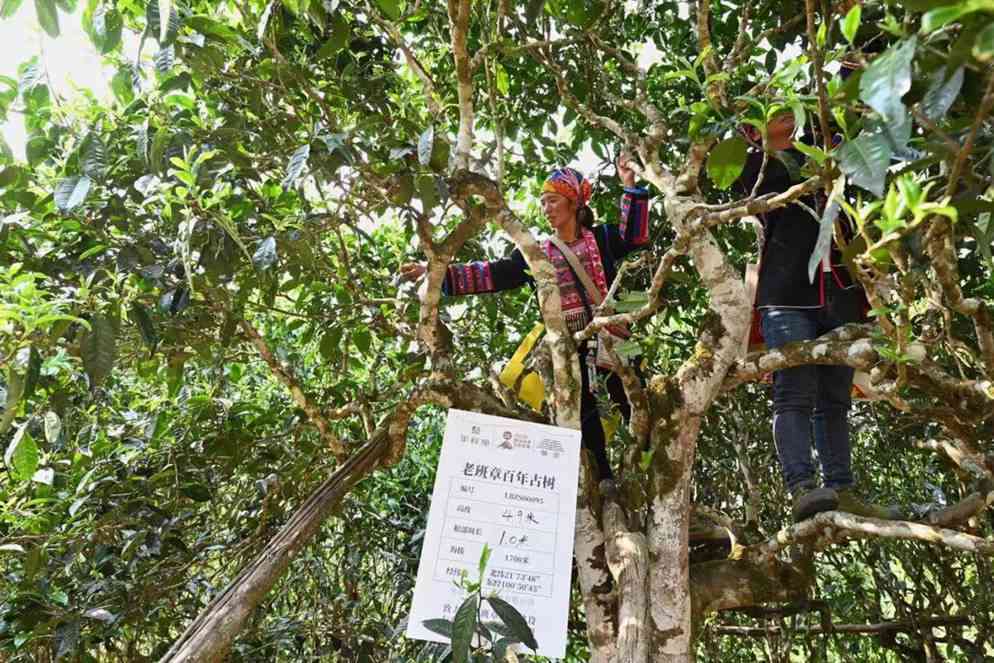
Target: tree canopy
(221,408)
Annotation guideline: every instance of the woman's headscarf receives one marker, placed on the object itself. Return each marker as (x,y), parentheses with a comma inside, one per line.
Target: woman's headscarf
(570,183)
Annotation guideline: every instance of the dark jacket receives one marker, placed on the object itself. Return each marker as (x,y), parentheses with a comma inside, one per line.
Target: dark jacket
(790,237)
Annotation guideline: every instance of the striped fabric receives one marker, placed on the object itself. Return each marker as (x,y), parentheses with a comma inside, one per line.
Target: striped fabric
(470,278)
(587,252)
(634,226)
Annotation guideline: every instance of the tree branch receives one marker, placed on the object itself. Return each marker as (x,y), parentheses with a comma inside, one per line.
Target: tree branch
(835,526)
(459,26)
(859,629)
(286,376)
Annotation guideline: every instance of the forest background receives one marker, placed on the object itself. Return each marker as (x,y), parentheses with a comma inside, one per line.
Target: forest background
(221,410)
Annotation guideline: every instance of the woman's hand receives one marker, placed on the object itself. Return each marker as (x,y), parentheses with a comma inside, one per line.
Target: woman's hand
(412,271)
(625,172)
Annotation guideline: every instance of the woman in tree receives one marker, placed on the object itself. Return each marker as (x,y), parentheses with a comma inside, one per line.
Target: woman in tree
(597,249)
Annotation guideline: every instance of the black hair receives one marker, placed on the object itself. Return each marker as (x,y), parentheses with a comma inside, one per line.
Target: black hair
(585,216)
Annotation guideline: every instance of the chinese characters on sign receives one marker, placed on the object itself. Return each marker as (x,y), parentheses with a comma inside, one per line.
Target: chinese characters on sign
(510,485)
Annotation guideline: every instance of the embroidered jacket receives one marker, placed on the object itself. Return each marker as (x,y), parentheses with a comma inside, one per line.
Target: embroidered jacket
(599,250)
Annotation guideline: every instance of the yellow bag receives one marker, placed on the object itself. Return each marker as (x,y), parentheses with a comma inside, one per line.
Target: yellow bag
(531,390)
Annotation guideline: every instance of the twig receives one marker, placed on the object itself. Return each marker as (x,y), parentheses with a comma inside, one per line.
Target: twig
(286,376)
(866,629)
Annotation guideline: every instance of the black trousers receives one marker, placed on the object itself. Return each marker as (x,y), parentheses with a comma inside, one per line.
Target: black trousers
(590,417)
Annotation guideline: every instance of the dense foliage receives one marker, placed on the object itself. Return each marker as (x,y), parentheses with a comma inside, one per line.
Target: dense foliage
(176,263)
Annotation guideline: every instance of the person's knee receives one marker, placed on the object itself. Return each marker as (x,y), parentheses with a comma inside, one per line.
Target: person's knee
(797,399)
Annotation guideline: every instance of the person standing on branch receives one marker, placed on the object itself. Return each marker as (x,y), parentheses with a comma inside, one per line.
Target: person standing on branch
(597,250)
(808,401)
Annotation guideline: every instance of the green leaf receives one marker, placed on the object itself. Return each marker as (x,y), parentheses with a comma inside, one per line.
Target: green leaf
(197,492)
(816,154)
(503,81)
(826,228)
(329,343)
(48,16)
(53,427)
(442,627)
(484,559)
(104,27)
(850,25)
(426,143)
(865,161)
(888,78)
(390,8)
(94,157)
(66,639)
(9,7)
(165,58)
(943,88)
(726,161)
(34,369)
(213,29)
(22,455)
(265,254)
(16,382)
(514,620)
(294,169)
(98,348)
(363,340)
(428,192)
(631,301)
(124,90)
(165,9)
(628,349)
(463,628)
(338,38)
(983,48)
(934,19)
(70,192)
(138,314)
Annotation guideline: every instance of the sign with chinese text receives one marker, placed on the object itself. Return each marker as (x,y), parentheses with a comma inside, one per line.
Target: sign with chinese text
(510,485)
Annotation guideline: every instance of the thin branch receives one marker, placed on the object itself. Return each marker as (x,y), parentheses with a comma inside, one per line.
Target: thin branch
(985,108)
(818,63)
(754,206)
(740,42)
(497,47)
(602,121)
(653,304)
(303,401)
(835,526)
(459,26)
(861,629)
(431,90)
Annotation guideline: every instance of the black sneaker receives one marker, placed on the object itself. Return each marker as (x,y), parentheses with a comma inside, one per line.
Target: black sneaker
(809,499)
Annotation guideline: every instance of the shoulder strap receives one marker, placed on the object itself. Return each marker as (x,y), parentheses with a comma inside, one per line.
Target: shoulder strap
(579,270)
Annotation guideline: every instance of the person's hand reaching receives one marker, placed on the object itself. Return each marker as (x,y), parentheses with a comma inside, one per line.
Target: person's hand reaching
(412,271)
(625,172)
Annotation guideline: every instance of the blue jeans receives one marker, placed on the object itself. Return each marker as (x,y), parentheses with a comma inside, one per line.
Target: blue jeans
(812,398)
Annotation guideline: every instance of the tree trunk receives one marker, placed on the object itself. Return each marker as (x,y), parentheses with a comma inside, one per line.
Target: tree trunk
(669,569)
(210,636)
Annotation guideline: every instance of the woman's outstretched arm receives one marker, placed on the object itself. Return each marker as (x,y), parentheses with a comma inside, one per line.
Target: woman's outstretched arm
(477,277)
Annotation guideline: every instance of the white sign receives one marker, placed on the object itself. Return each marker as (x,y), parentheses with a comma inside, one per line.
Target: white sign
(511,485)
